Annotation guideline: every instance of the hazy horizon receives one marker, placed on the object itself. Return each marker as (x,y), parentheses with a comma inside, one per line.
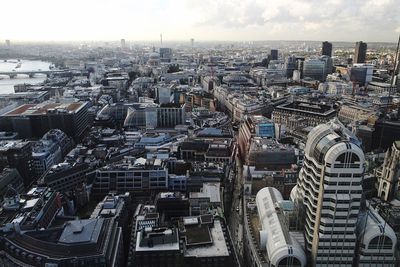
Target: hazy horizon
(157,41)
(217,20)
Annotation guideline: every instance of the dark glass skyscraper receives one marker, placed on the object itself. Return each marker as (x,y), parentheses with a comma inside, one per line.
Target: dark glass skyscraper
(274,54)
(360,52)
(327,49)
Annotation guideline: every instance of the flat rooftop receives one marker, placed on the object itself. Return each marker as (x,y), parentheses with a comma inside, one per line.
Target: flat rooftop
(209,190)
(41,109)
(198,235)
(166,239)
(218,248)
(81,231)
(313,108)
(12,144)
(270,145)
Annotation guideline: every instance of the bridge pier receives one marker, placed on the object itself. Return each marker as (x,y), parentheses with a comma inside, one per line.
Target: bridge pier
(31,75)
(12,76)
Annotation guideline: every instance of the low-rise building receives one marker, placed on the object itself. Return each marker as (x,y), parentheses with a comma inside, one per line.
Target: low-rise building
(34,120)
(304,113)
(45,153)
(268,236)
(133,175)
(92,242)
(254,126)
(17,154)
(210,149)
(265,153)
(187,241)
(35,209)
(352,112)
(208,198)
(10,177)
(66,177)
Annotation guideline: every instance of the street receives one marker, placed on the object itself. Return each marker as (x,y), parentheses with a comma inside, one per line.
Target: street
(236,213)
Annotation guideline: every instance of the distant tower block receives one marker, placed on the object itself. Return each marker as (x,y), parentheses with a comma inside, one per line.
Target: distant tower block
(360,52)
(327,49)
(274,54)
(8,43)
(192,42)
(123,44)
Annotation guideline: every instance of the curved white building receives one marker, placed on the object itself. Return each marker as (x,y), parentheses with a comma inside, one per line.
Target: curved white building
(281,247)
(377,240)
(329,190)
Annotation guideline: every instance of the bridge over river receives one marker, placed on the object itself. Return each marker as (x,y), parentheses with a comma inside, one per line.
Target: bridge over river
(31,73)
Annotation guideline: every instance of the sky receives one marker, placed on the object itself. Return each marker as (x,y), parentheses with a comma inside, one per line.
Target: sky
(203,20)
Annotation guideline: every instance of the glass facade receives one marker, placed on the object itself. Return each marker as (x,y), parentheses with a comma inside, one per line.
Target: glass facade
(265,130)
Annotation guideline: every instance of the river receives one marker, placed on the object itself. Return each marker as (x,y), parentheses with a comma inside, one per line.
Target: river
(7,84)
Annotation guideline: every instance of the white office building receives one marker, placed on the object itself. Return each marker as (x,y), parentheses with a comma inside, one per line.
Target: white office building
(328,194)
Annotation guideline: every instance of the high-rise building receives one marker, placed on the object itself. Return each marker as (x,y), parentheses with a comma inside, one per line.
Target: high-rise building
(388,174)
(361,73)
(165,54)
(290,65)
(360,52)
(314,69)
(328,194)
(329,189)
(123,44)
(8,43)
(328,64)
(274,54)
(327,49)
(192,42)
(164,94)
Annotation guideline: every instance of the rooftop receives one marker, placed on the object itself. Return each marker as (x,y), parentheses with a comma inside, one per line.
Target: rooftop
(197,235)
(12,144)
(160,239)
(218,248)
(77,239)
(313,108)
(275,234)
(44,108)
(270,145)
(209,190)
(81,231)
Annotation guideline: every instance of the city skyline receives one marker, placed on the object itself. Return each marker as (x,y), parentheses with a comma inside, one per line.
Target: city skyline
(187,133)
(254,20)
